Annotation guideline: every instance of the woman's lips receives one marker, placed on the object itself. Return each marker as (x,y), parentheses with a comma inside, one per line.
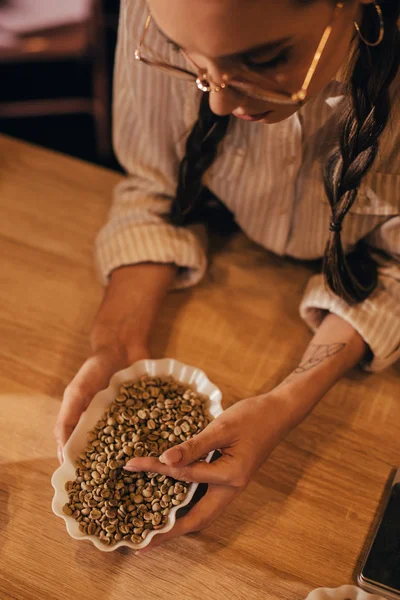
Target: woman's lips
(258,117)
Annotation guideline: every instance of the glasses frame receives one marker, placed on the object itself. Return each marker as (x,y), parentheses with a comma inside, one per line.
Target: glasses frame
(205,84)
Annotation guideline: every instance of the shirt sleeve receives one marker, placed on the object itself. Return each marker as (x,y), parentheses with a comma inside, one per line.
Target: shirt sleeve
(145,142)
(377,319)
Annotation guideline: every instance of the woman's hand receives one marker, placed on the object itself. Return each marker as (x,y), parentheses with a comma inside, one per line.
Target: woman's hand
(120,336)
(93,376)
(245,434)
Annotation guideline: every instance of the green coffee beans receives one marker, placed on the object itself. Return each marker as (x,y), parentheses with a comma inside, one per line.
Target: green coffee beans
(147,417)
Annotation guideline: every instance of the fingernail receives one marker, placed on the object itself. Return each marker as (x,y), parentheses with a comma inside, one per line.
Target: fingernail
(60,454)
(171,456)
(129,467)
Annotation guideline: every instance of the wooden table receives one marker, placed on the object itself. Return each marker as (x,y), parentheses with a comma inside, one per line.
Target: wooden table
(301,523)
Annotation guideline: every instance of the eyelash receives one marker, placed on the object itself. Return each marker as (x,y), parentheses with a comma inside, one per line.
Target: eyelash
(174,46)
(277,61)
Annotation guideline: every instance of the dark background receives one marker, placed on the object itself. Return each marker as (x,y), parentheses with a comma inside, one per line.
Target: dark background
(71,134)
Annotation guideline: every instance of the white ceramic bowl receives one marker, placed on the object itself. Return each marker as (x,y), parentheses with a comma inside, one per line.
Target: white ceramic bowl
(197,380)
(345,592)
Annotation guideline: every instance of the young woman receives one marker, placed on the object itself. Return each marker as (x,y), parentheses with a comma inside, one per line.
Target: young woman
(286,112)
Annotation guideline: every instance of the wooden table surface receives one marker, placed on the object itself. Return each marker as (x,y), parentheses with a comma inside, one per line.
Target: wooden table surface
(302,521)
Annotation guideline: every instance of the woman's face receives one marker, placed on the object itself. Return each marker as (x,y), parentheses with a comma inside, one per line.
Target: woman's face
(275,39)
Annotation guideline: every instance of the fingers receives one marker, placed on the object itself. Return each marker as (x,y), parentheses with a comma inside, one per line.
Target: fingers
(93,376)
(222,471)
(201,516)
(60,454)
(213,437)
(75,400)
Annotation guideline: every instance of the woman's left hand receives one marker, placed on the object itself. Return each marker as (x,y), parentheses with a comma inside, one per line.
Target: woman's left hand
(245,434)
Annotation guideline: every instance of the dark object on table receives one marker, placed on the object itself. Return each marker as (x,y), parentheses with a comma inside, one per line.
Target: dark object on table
(199,493)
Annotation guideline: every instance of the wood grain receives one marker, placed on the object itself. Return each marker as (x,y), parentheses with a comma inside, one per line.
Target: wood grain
(303,520)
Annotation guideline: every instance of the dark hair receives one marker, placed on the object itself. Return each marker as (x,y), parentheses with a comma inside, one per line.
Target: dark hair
(373,69)
(192,197)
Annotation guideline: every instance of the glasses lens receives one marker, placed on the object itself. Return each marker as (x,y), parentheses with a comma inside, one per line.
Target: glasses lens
(170,70)
(258,93)
(160,53)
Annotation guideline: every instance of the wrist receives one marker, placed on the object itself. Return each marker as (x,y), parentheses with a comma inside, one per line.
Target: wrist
(130,306)
(278,411)
(287,405)
(312,386)
(121,338)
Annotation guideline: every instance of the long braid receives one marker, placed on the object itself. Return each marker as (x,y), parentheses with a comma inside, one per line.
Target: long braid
(353,278)
(201,150)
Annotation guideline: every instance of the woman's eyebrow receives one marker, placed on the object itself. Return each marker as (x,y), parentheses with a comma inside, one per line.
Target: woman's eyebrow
(265,47)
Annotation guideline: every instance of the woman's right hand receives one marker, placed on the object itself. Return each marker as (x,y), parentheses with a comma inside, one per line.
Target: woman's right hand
(93,376)
(120,336)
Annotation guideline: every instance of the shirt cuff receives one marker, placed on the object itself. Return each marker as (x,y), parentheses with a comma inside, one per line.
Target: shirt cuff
(377,319)
(116,246)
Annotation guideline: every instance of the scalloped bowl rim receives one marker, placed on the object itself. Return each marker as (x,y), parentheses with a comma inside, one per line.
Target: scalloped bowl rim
(184,373)
(349,591)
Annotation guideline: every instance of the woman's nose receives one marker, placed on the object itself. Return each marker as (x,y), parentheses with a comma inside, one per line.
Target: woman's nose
(224,101)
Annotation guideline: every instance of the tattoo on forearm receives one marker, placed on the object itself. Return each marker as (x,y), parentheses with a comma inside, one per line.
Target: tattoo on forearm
(316,354)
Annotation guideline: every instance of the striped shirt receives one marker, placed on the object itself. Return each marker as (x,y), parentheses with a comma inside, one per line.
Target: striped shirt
(269,176)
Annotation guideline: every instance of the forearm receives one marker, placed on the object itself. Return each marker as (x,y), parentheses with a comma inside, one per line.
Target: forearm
(130,306)
(335,349)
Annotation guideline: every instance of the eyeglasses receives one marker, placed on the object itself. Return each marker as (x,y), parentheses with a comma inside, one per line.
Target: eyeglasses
(247,88)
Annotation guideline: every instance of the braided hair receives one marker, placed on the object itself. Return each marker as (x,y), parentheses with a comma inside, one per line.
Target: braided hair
(352,277)
(201,150)
(365,118)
